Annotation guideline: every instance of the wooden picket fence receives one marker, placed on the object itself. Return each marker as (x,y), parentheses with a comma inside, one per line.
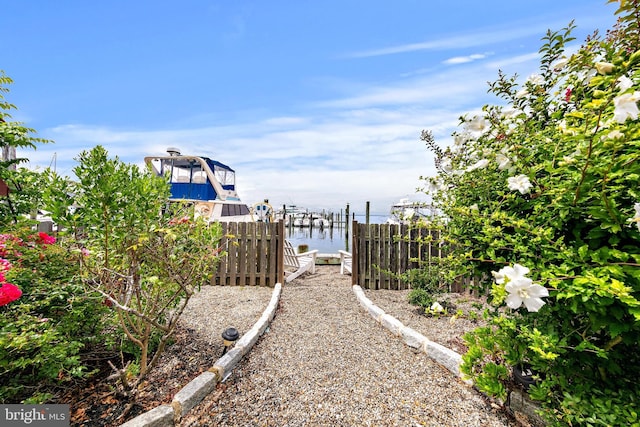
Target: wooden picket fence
(382,252)
(254,254)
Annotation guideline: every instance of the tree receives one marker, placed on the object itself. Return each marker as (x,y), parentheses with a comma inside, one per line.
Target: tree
(22,197)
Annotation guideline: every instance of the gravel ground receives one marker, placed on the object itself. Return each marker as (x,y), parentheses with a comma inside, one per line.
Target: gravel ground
(325,362)
(215,308)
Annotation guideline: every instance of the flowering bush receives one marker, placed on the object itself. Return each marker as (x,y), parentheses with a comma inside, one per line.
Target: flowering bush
(541,197)
(43,333)
(8,291)
(145,265)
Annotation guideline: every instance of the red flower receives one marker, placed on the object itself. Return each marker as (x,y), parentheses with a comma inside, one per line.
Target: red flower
(567,94)
(9,293)
(45,239)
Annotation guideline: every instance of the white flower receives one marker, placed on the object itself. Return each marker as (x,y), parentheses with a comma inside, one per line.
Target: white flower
(510,273)
(571,158)
(460,139)
(535,79)
(522,290)
(522,93)
(624,83)
(473,207)
(476,124)
(520,183)
(615,134)
(626,107)
(636,218)
(446,165)
(434,185)
(436,307)
(503,161)
(511,113)
(480,164)
(562,126)
(560,63)
(604,67)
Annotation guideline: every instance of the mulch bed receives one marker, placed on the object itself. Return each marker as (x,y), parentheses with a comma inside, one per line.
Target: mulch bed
(99,403)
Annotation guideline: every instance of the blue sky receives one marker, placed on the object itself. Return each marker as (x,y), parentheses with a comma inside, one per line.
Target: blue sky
(317,104)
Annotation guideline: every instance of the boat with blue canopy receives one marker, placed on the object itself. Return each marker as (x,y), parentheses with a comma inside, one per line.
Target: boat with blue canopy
(206,183)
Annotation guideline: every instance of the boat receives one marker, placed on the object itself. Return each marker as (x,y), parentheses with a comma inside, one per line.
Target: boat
(262,212)
(406,211)
(292,215)
(320,222)
(206,184)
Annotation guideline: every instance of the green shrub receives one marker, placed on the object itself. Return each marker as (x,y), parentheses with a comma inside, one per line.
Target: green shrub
(145,265)
(543,195)
(426,285)
(421,297)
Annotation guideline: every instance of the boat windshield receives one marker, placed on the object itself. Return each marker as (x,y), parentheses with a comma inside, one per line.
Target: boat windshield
(225,176)
(188,169)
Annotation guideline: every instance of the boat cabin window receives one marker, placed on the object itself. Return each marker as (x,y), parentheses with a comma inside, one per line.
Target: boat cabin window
(199,177)
(233,210)
(226,177)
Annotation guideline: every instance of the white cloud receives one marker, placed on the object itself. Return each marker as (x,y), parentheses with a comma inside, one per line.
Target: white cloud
(361,146)
(474,39)
(464,59)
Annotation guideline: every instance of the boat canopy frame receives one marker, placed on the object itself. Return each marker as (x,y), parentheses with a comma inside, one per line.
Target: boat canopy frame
(195,172)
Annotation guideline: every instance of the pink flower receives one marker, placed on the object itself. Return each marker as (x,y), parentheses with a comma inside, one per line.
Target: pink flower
(85,252)
(9,293)
(45,239)
(7,239)
(4,265)
(183,220)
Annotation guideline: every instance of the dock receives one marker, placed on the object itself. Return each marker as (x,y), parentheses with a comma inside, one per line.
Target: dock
(328,259)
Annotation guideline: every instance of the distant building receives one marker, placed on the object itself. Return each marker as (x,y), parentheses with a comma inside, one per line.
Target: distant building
(8,153)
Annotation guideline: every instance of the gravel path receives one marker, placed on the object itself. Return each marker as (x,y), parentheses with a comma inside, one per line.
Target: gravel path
(326,362)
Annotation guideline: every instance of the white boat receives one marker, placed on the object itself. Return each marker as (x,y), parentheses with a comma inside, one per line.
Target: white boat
(207,184)
(408,212)
(292,215)
(321,222)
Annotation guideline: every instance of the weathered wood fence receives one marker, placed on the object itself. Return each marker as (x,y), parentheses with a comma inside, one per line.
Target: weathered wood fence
(382,252)
(254,254)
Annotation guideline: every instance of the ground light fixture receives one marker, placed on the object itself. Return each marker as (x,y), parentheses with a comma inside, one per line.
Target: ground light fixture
(229,337)
(524,376)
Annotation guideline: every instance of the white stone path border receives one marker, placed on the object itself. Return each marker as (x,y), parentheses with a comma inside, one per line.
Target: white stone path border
(193,393)
(442,355)
(439,353)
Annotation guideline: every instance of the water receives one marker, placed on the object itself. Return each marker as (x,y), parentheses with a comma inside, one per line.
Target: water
(328,240)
